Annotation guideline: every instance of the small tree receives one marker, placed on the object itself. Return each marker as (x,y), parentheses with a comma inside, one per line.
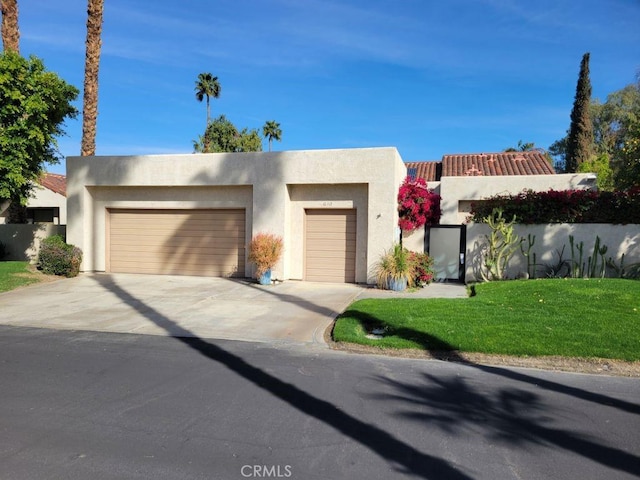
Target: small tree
(580,139)
(222,136)
(33,106)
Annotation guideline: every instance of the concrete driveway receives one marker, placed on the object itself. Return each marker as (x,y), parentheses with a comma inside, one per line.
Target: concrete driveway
(206,307)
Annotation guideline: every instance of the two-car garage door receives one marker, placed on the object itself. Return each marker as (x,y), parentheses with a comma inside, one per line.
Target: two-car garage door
(177,242)
(212,243)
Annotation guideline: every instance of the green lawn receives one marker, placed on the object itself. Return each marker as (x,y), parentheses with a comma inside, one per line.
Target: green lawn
(565,317)
(15,274)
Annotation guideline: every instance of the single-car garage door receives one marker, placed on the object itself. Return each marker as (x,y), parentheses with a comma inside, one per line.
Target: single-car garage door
(176,242)
(330,245)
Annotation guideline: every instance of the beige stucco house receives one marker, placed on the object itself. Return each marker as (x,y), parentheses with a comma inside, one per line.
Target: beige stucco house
(463,179)
(196,213)
(47,203)
(336,210)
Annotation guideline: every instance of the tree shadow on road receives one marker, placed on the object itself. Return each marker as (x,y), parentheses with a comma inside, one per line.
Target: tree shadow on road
(441,350)
(406,458)
(516,416)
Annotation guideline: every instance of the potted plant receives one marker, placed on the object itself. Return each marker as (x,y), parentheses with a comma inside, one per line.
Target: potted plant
(395,269)
(265,251)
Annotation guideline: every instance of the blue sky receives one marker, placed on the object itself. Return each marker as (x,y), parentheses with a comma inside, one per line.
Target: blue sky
(427,77)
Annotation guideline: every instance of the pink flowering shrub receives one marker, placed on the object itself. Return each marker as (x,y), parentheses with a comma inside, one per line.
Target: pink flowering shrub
(417,205)
(563,206)
(422,268)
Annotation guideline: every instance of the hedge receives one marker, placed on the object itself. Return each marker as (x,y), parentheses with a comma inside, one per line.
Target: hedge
(563,206)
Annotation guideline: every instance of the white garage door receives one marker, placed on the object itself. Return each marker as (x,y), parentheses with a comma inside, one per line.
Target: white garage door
(176,242)
(330,245)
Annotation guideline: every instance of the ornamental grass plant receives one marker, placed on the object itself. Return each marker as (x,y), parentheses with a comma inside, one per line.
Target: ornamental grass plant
(265,251)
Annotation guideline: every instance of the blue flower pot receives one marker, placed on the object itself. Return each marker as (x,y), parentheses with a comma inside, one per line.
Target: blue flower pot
(397,284)
(265,278)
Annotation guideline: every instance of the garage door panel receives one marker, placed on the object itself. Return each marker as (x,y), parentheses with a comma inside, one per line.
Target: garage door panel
(140,250)
(174,241)
(330,245)
(323,254)
(177,242)
(335,236)
(186,270)
(151,267)
(175,228)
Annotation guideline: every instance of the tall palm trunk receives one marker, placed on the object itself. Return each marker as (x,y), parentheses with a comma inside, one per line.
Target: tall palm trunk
(10,30)
(91,67)
(11,43)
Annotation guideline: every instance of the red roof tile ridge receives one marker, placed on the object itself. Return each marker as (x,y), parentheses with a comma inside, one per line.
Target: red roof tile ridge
(55,182)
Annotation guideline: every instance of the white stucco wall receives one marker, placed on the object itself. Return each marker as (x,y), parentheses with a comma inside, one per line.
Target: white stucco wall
(549,242)
(42,197)
(274,187)
(455,190)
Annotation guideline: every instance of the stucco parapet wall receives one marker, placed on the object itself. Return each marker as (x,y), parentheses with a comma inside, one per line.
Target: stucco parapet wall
(363,178)
(454,190)
(302,166)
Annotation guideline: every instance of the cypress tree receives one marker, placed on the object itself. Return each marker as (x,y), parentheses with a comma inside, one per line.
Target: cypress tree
(580,139)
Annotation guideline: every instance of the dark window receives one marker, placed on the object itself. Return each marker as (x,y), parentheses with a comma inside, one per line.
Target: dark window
(42,215)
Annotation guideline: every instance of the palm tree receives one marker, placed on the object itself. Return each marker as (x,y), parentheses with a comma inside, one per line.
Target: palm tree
(10,31)
(271,131)
(207,86)
(91,67)
(522,147)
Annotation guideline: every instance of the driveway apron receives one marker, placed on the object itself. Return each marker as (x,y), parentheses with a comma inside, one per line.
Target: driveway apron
(180,306)
(235,309)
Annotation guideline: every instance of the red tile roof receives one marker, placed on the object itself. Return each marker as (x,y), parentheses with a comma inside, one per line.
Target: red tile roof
(491,164)
(55,182)
(426,170)
(488,164)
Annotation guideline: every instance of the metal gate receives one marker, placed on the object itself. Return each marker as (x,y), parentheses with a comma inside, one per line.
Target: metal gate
(446,244)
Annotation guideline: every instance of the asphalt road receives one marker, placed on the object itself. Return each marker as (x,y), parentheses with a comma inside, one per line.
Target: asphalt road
(82,405)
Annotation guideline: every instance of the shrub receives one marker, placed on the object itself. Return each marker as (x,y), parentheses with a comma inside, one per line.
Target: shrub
(423,268)
(265,250)
(417,205)
(563,206)
(57,257)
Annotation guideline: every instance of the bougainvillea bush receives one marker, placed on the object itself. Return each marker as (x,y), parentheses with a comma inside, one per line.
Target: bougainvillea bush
(422,268)
(417,204)
(563,206)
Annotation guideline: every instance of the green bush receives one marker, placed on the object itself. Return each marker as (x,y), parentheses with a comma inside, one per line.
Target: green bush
(59,258)
(565,206)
